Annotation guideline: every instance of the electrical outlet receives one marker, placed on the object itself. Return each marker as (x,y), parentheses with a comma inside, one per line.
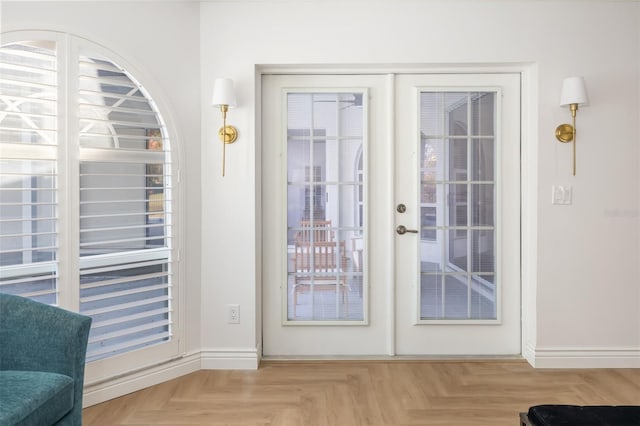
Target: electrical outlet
(233,314)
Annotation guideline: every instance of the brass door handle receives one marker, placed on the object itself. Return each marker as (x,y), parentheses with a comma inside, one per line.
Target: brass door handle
(401,229)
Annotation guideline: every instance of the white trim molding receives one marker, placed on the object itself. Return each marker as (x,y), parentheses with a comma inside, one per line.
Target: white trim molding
(573,357)
(211,359)
(529,353)
(230,359)
(249,359)
(95,393)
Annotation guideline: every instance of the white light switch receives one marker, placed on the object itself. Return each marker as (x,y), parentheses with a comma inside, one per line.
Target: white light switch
(561,195)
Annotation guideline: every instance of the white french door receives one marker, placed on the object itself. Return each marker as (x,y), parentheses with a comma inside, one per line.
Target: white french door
(348,160)
(458,175)
(324,270)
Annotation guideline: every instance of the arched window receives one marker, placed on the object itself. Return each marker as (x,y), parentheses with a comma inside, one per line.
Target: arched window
(87,194)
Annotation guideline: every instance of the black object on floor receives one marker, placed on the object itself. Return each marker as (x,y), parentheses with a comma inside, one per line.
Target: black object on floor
(575,415)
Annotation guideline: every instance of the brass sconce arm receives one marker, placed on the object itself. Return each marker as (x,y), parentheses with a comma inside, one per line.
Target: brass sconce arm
(227,134)
(567,133)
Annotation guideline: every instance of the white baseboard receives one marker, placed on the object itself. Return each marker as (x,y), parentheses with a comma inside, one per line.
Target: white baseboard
(529,353)
(559,357)
(109,389)
(249,359)
(214,359)
(230,359)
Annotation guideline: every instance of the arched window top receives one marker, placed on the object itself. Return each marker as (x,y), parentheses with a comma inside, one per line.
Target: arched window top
(115,110)
(115,106)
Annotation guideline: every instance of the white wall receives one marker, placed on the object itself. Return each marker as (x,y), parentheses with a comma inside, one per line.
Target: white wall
(582,274)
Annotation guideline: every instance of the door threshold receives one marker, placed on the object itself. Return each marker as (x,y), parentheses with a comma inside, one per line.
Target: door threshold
(360,358)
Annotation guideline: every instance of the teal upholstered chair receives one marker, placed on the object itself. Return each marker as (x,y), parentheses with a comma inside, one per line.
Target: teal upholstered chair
(42,356)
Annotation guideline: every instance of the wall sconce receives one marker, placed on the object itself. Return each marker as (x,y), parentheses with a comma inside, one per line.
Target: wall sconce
(574,93)
(225,97)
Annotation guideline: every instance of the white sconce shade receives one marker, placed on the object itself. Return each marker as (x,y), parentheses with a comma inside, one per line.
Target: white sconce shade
(574,91)
(223,93)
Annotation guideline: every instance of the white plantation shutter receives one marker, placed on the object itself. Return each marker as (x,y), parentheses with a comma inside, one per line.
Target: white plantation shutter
(117,197)
(28,171)
(125,222)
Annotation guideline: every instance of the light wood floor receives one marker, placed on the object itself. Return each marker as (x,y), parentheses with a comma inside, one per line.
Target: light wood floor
(353,393)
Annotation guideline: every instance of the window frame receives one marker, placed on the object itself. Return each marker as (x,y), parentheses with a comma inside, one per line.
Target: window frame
(69,47)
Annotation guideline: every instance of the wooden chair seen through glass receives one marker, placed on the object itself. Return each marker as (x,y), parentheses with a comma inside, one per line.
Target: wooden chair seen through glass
(325,216)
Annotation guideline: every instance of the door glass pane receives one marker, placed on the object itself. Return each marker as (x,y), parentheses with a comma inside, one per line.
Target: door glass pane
(457,199)
(325,218)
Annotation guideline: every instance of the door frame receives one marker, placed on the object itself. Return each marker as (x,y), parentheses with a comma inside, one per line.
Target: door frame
(528,177)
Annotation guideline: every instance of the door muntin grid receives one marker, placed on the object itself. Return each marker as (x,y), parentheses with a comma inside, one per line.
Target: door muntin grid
(325,225)
(457,196)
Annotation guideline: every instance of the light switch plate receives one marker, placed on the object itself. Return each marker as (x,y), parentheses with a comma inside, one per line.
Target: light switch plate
(561,195)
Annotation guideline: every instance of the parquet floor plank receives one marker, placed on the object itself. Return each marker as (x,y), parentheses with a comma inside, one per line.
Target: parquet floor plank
(366,393)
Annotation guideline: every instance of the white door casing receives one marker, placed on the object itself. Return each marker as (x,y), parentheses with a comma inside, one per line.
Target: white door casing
(390,322)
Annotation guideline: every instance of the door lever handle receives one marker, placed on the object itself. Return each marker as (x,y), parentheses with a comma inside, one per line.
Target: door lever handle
(401,229)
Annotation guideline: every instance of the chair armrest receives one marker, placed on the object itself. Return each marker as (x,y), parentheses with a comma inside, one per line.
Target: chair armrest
(39,337)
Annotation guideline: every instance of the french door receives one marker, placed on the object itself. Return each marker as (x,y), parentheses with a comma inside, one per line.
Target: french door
(457,162)
(390,214)
(324,277)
